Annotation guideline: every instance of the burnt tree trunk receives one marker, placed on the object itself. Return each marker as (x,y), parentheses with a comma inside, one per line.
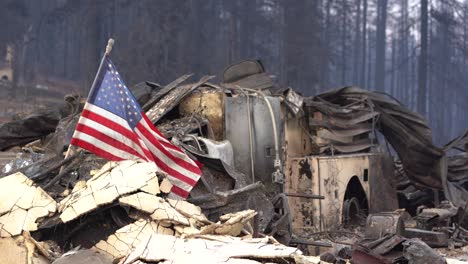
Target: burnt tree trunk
(364,44)
(379,81)
(422,67)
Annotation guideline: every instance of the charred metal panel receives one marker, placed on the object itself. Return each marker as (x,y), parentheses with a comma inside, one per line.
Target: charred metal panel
(329,176)
(297,139)
(381,224)
(335,172)
(299,179)
(382,196)
(237,132)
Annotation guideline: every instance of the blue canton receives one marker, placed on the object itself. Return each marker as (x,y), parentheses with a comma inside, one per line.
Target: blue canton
(113,95)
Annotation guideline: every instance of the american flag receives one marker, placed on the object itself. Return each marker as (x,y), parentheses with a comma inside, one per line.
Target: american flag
(113,126)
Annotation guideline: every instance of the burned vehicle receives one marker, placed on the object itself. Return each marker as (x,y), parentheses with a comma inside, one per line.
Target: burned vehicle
(318,169)
(321,162)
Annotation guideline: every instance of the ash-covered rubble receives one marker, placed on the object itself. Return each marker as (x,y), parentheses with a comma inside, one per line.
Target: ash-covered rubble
(129,200)
(273,188)
(83,209)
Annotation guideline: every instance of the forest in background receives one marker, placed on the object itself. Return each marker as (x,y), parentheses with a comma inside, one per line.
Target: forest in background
(415,50)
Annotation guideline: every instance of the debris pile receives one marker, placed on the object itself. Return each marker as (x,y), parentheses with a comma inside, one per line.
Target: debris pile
(154,228)
(279,170)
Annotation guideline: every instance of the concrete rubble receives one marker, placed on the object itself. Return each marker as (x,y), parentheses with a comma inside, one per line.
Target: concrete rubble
(22,204)
(159,221)
(208,249)
(111,182)
(285,179)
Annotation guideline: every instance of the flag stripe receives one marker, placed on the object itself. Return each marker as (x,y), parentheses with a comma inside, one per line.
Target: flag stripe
(148,154)
(179,192)
(174,152)
(115,122)
(109,115)
(105,147)
(84,121)
(162,161)
(180,184)
(93,148)
(109,140)
(178,161)
(109,121)
(147,123)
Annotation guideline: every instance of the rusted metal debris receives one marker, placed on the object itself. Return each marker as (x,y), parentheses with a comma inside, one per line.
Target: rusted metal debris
(284,176)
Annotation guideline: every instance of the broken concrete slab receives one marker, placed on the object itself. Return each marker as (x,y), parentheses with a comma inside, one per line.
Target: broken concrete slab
(128,237)
(165,186)
(230,224)
(18,251)
(189,210)
(157,207)
(111,182)
(22,205)
(169,248)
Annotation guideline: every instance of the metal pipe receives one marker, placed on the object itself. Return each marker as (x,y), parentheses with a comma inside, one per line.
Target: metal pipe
(310,243)
(277,162)
(249,115)
(305,195)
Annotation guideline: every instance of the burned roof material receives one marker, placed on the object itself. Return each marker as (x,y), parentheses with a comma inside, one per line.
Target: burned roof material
(406,131)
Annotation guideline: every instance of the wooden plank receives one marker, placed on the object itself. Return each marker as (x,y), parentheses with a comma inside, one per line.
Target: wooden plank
(154,99)
(172,99)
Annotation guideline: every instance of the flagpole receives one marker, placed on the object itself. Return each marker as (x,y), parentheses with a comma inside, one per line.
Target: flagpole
(110,44)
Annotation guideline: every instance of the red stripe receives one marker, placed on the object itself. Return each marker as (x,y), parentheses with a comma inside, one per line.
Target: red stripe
(180,192)
(167,169)
(184,164)
(164,143)
(111,124)
(107,139)
(199,164)
(148,154)
(93,148)
(155,130)
(163,166)
(117,127)
(170,145)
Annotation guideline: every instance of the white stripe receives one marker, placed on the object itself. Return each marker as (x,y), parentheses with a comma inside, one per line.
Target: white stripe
(104,113)
(179,183)
(112,133)
(143,146)
(166,159)
(174,196)
(174,152)
(148,127)
(104,146)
